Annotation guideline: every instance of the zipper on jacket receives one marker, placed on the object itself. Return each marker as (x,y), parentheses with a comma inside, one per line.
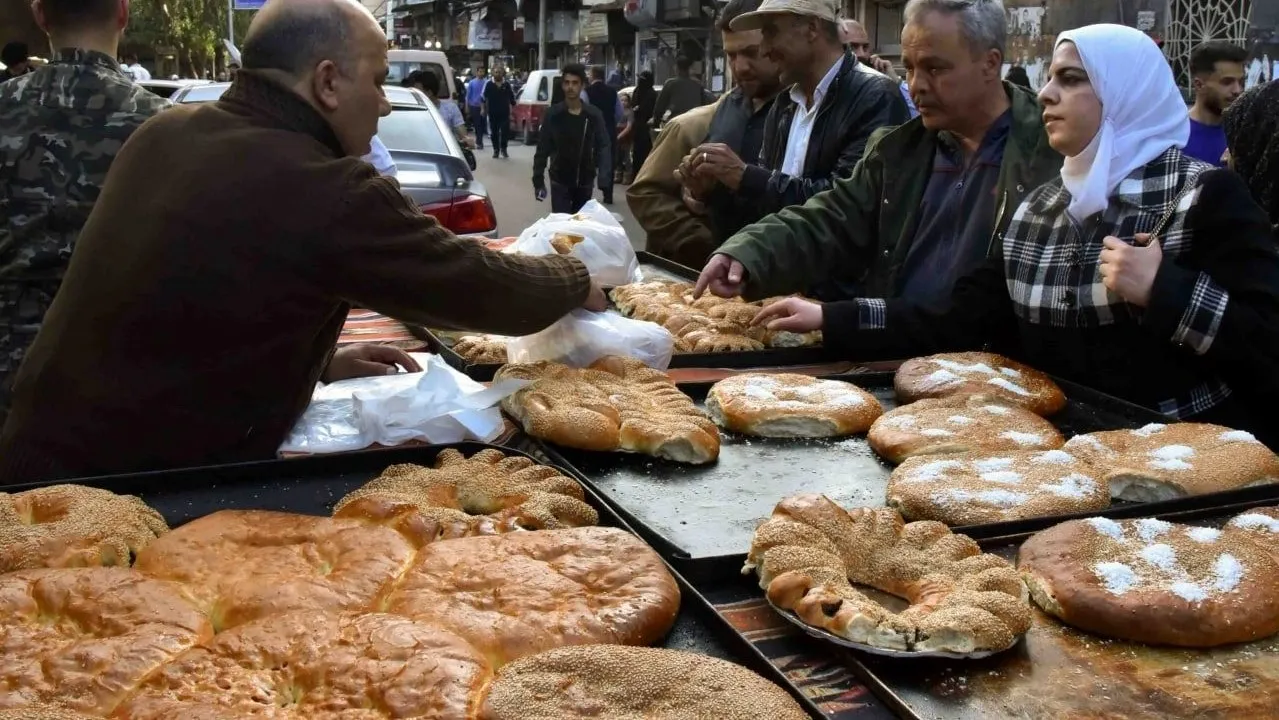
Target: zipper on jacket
(581,151)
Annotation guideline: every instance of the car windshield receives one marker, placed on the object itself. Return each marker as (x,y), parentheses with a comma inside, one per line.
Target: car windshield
(204,93)
(412,129)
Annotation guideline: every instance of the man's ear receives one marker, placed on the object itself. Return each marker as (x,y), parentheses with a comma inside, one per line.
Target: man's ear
(995,63)
(324,84)
(122,15)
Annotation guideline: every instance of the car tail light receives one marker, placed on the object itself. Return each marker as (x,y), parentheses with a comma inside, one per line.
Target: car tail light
(469,215)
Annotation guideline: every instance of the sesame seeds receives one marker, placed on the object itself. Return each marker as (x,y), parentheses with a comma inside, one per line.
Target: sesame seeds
(935,432)
(996,409)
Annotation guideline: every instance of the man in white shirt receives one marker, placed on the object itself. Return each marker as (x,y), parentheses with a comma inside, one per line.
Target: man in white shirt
(135,69)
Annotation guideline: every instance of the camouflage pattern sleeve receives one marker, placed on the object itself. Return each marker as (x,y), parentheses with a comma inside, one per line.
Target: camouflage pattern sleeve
(60,128)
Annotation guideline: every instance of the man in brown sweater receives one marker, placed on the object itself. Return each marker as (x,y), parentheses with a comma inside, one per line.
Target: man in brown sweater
(195,318)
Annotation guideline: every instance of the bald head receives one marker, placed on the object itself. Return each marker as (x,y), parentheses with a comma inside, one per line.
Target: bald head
(294,36)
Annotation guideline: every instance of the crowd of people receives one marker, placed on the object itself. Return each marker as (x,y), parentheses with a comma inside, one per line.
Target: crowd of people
(180,312)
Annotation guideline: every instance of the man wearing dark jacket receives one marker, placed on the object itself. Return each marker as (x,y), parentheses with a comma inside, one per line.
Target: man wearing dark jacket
(604,98)
(499,98)
(739,124)
(931,198)
(681,93)
(575,141)
(159,354)
(818,131)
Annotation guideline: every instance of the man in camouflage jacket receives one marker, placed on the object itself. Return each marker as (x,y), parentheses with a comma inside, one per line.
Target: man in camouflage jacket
(60,128)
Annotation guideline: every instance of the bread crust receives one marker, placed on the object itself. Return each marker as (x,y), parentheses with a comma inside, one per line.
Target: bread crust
(516,595)
(811,551)
(315,665)
(1153,582)
(978,373)
(791,405)
(488,493)
(959,424)
(83,638)
(482,349)
(1259,526)
(241,565)
(617,404)
(612,681)
(73,526)
(976,488)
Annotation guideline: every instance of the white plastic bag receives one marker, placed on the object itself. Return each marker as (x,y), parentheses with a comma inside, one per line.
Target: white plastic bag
(592,235)
(437,405)
(582,337)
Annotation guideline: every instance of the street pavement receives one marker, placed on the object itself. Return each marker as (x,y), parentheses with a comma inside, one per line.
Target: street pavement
(510,186)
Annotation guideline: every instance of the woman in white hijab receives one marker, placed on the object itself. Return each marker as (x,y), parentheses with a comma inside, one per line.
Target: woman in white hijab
(1140,271)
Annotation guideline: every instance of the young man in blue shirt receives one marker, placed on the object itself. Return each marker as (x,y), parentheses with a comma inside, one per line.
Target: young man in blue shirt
(1216,68)
(475,105)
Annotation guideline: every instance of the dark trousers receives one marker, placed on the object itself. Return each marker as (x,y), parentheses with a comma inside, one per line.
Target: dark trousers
(569,199)
(642,146)
(500,130)
(477,120)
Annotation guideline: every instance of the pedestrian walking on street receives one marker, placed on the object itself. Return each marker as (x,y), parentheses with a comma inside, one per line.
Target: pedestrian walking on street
(475,105)
(576,143)
(605,98)
(499,98)
(643,100)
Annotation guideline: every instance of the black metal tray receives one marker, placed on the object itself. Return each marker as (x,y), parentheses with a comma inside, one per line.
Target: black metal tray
(654,268)
(312,485)
(1053,664)
(702,518)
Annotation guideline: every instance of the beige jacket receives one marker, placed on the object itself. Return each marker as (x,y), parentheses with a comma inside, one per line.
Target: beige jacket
(674,232)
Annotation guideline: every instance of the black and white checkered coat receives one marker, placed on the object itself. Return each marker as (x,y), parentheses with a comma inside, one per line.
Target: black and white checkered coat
(1211,327)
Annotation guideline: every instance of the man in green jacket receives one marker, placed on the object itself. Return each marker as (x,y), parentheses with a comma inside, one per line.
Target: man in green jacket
(930,199)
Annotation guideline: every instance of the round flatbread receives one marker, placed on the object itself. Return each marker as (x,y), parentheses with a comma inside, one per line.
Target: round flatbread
(963,423)
(978,488)
(1153,582)
(978,373)
(791,406)
(1162,462)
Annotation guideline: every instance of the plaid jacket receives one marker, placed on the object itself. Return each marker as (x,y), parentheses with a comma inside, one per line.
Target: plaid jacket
(1044,299)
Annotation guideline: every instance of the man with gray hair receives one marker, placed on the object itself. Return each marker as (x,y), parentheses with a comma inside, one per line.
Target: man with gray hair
(182,336)
(931,198)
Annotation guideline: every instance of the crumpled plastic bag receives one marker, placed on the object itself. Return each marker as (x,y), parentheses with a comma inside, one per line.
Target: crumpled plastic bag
(582,337)
(592,235)
(437,405)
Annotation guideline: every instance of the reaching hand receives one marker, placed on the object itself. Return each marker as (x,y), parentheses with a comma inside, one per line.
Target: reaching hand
(1129,270)
(596,300)
(723,276)
(539,193)
(718,161)
(792,315)
(367,360)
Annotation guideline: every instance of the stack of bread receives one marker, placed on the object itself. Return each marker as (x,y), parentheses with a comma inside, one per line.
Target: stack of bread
(427,595)
(708,324)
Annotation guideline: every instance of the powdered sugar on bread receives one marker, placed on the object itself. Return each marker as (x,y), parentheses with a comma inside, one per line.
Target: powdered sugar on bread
(970,373)
(791,405)
(959,424)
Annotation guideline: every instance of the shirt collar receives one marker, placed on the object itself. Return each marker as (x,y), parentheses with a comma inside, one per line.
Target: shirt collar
(823,87)
(79,56)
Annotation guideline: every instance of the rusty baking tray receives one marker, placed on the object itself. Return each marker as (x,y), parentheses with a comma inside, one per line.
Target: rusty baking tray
(652,267)
(312,485)
(702,517)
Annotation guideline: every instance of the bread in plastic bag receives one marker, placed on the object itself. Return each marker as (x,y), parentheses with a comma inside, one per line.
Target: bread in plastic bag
(591,235)
(582,337)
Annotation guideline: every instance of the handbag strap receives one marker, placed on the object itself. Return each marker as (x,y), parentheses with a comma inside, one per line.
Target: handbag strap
(1192,182)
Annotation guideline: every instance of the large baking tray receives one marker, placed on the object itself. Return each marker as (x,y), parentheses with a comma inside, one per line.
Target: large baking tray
(312,485)
(702,518)
(652,267)
(1059,672)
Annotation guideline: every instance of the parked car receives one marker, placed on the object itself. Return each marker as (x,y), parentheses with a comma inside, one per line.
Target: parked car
(540,91)
(431,166)
(167,88)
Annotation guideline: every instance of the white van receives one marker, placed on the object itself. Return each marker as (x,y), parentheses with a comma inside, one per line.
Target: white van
(403,62)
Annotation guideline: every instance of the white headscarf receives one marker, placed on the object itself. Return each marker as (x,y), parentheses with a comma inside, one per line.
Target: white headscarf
(1142,112)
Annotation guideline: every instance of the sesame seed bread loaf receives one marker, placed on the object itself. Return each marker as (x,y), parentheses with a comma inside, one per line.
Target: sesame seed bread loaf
(790,406)
(978,373)
(959,424)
